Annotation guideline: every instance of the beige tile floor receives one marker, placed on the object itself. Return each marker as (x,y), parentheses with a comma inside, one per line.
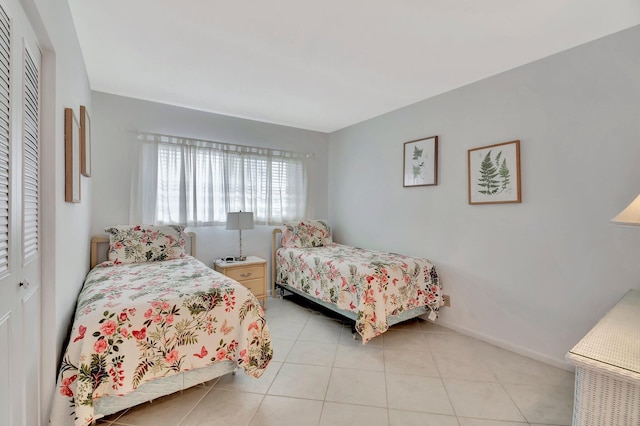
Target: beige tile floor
(417,373)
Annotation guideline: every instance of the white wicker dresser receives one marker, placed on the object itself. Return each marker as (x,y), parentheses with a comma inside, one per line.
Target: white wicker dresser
(607,363)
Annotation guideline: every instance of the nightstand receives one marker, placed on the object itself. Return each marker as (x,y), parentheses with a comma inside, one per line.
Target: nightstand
(251,273)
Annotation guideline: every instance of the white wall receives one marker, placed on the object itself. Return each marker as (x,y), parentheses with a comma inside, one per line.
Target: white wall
(117,118)
(64,226)
(534,276)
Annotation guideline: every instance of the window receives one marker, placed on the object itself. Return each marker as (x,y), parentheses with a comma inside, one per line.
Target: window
(196,183)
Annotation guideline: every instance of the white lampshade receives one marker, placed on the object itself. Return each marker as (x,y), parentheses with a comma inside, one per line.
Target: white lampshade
(239,220)
(630,215)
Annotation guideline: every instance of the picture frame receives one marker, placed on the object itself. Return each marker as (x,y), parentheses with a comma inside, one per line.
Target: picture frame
(85,142)
(71,156)
(420,162)
(494,174)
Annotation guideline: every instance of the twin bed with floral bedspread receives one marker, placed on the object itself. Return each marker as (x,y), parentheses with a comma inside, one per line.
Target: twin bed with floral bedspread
(373,289)
(151,321)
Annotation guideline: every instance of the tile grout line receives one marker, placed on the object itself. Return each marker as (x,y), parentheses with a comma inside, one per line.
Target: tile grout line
(197,403)
(444,386)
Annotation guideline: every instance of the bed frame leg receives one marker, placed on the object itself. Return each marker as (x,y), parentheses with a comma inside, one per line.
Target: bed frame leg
(354,333)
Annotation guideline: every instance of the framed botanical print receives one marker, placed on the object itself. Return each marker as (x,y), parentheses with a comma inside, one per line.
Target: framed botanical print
(71,156)
(421,162)
(494,173)
(85,142)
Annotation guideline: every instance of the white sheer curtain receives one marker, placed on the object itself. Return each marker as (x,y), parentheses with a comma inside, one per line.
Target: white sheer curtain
(183,181)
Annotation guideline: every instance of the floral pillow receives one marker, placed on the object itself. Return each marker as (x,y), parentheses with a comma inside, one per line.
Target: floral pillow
(145,243)
(306,234)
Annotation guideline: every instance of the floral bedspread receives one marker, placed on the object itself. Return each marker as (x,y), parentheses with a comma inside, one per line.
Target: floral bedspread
(138,322)
(375,285)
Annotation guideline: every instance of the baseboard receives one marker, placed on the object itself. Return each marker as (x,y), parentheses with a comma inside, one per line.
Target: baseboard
(559,363)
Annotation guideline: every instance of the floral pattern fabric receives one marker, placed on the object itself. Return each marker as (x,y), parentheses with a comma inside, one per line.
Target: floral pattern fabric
(145,243)
(375,285)
(306,234)
(139,322)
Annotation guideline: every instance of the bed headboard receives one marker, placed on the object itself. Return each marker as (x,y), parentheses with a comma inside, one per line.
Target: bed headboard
(274,246)
(100,244)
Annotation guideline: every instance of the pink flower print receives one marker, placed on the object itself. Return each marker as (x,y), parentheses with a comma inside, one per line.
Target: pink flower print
(124,332)
(148,313)
(81,331)
(252,326)
(169,319)
(221,355)
(172,356)
(230,301)
(123,316)
(157,318)
(100,346)
(132,311)
(117,245)
(155,304)
(108,328)
(165,306)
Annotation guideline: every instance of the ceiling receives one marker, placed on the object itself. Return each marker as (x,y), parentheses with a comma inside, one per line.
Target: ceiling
(323,65)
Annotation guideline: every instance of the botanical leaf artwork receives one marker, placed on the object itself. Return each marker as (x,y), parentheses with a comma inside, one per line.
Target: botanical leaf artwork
(418,163)
(494,175)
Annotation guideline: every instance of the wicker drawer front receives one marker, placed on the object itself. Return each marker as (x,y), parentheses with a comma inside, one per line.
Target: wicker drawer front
(256,286)
(246,273)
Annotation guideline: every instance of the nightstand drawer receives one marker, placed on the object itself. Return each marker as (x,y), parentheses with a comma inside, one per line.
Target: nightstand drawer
(246,273)
(256,286)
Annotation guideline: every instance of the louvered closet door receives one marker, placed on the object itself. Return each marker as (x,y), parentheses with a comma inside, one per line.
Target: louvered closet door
(20,303)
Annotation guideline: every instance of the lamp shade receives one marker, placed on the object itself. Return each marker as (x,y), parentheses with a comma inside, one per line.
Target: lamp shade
(630,215)
(239,220)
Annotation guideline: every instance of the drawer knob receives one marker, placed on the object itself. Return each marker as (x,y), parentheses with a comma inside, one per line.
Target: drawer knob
(248,274)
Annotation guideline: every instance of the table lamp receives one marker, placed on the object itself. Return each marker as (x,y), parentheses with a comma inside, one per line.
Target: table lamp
(239,221)
(630,215)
